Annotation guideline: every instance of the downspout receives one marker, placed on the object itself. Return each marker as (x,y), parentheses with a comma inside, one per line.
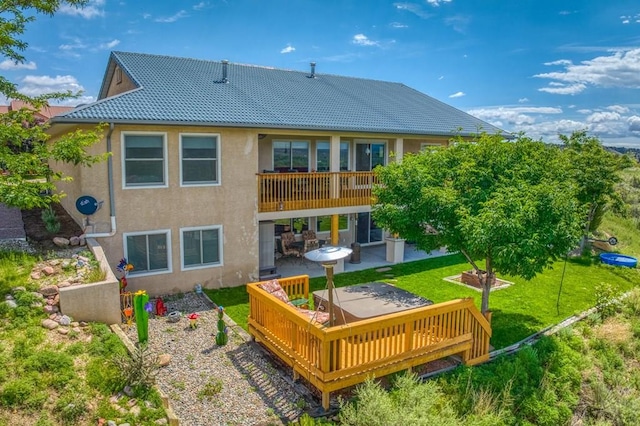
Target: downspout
(112,207)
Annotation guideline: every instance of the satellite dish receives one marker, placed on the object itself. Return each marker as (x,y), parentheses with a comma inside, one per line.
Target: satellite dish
(87,205)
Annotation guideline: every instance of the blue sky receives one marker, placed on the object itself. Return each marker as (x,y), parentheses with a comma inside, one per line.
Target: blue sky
(541,67)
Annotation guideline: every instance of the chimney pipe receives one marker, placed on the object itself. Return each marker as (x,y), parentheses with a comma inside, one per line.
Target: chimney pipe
(225,64)
(313,70)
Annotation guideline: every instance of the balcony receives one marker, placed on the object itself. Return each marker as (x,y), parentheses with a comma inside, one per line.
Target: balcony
(301,191)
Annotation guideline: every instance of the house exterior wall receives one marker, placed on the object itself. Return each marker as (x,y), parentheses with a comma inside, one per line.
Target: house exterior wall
(232,204)
(119,86)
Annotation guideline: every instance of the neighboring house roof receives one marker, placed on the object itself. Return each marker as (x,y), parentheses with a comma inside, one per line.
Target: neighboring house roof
(172,90)
(45,113)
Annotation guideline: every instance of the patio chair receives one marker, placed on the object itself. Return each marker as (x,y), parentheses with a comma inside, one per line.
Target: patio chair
(309,235)
(311,244)
(289,247)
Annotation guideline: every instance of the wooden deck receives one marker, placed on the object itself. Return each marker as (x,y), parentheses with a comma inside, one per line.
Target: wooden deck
(299,191)
(333,358)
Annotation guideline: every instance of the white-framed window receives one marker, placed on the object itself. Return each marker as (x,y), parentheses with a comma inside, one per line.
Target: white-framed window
(430,146)
(291,156)
(344,156)
(323,223)
(323,156)
(144,160)
(201,247)
(199,159)
(149,252)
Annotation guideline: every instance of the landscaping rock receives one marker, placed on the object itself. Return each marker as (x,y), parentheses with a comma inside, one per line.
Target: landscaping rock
(61,242)
(8,297)
(51,309)
(74,241)
(11,303)
(132,402)
(164,360)
(161,422)
(63,330)
(49,324)
(64,320)
(128,391)
(64,284)
(111,423)
(35,275)
(50,290)
(18,289)
(135,411)
(115,398)
(48,270)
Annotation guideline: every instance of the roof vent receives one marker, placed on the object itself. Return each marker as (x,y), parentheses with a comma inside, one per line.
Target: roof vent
(313,70)
(225,65)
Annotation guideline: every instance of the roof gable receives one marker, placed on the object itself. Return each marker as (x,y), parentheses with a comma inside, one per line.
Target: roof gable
(191,91)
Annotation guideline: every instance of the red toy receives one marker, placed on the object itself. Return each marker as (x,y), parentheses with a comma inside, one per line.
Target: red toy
(161,310)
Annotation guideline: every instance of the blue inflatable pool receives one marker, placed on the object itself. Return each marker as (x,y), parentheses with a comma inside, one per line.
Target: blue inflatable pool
(616,259)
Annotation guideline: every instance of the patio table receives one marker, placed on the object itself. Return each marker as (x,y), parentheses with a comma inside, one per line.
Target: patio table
(358,302)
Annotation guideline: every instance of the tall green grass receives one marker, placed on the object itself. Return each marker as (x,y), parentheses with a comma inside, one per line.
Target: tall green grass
(15,268)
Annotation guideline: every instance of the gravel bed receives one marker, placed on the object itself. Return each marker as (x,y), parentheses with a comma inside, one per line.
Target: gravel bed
(253,392)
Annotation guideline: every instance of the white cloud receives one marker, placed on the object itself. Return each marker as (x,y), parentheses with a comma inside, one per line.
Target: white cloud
(363,40)
(398,25)
(36,85)
(109,45)
(545,123)
(169,19)
(288,49)
(146,16)
(620,69)
(413,8)
(601,117)
(457,95)
(75,44)
(92,9)
(459,23)
(523,100)
(437,3)
(201,5)
(634,123)
(618,108)
(517,116)
(559,62)
(561,89)
(8,64)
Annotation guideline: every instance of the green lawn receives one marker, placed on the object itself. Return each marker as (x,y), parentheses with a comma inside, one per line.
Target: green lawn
(518,311)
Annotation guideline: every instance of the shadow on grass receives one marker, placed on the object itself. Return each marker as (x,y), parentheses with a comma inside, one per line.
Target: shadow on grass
(509,327)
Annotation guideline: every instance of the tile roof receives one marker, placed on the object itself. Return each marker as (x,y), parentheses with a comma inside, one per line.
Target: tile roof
(175,90)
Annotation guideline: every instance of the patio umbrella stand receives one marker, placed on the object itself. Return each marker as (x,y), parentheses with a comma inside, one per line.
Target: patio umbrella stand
(328,257)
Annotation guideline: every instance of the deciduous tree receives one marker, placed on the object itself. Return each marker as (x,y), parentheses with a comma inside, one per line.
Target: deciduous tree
(26,181)
(509,203)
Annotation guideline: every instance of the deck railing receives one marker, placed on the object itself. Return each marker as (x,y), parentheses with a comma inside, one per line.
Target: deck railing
(299,191)
(332,358)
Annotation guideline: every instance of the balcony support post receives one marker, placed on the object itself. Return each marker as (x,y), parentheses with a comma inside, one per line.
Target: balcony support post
(335,227)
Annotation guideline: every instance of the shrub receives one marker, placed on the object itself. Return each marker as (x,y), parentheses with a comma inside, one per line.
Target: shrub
(50,219)
(607,302)
(140,369)
(50,361)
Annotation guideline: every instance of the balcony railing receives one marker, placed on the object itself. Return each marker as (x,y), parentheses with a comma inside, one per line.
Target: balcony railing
(300,191)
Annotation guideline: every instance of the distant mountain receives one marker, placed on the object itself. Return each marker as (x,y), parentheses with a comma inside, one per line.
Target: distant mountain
(634,152)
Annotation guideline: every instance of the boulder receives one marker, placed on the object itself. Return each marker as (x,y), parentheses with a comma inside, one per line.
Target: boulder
(50,290)
(64,320)
(74,241)
(51,309)
(48,270)
(49,324)
(61,242)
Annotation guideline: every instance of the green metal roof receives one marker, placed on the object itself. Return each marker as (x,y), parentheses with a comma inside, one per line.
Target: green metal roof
(173,90)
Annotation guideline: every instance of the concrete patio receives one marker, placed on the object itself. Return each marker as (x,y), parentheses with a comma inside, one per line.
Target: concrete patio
(370,257)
